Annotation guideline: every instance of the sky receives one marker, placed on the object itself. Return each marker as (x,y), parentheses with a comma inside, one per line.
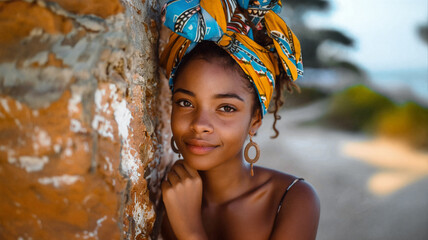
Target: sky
(385,31)
(387,42)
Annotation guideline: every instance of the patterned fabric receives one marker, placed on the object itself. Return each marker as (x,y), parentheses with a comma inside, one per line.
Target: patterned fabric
(223,22)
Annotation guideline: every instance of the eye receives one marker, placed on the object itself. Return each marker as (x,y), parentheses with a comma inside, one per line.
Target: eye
(227,109)
(183,103)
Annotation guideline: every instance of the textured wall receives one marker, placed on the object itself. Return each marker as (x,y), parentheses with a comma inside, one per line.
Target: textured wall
(80,129)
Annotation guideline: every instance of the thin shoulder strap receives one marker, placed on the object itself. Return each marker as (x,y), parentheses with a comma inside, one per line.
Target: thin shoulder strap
(281,201)
(285,193)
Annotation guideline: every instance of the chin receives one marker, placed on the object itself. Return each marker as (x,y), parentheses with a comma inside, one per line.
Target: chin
(200,163)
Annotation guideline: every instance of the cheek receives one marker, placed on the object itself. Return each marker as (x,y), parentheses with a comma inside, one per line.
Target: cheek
(234,131)
(178,123)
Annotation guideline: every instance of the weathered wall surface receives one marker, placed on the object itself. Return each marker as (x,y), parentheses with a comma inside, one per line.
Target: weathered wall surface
(79,136)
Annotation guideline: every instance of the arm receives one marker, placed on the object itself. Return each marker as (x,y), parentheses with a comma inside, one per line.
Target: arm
(182,196)
(299,215)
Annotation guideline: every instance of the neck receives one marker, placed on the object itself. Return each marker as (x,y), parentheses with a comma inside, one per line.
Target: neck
(226,182)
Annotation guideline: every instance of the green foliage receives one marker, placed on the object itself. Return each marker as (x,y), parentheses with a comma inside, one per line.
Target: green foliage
(359,108)
(356,108)
(408,122)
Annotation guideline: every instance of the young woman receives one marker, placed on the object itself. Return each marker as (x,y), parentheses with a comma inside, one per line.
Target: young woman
(222,82)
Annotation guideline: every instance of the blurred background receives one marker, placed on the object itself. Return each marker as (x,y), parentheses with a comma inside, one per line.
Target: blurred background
(358,131)
(84,138)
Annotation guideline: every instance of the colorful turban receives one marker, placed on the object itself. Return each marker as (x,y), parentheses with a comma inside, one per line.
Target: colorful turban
(224,23)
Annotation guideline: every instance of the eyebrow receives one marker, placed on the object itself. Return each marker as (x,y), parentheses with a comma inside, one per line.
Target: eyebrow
(217,96)
(183,91)
(229,95)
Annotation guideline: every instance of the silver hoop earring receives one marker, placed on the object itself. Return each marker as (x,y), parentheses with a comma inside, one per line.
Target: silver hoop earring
(247,158)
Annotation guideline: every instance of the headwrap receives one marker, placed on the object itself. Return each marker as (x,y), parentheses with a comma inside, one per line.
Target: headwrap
(222,22)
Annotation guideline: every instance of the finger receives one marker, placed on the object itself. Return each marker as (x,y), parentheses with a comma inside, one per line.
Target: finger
(165,185)
(179,161)
(181,171)
(192,172)
(173,178)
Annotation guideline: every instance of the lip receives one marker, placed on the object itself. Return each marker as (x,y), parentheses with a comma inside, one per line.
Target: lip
(199,147)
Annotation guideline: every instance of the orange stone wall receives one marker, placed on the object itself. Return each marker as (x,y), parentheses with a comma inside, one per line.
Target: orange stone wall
(81,129)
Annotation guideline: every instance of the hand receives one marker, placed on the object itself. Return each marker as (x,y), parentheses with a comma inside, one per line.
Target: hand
(182,196)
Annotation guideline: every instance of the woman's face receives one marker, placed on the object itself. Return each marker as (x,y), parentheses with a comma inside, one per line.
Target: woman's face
(211,114)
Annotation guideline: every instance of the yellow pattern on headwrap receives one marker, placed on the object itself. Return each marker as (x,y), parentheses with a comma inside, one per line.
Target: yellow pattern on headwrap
(274,24)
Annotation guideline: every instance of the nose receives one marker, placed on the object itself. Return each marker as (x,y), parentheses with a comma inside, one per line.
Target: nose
(201,122)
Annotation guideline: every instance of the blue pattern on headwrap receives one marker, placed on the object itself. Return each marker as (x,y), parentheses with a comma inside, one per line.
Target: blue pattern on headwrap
(246,55)
(257,11)
(191,21)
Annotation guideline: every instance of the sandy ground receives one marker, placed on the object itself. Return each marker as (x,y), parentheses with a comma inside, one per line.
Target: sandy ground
(369,188)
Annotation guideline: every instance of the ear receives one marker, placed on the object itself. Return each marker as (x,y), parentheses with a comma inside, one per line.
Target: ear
(256,122)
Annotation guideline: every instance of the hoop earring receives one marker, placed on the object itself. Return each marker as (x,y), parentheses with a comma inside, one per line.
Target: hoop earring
(174,148)
(247,158)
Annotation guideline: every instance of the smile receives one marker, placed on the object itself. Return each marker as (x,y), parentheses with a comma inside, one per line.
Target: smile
(198,147)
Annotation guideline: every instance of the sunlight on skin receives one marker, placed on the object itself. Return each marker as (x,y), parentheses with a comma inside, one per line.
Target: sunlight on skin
(400,165)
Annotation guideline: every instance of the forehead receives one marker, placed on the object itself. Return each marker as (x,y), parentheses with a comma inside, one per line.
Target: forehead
(210,77)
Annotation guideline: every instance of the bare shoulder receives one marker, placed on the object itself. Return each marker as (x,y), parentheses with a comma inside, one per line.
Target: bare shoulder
(299,214)
(281,180)
(299,192)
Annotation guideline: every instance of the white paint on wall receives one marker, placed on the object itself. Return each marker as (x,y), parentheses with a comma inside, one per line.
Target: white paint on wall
(109,165)
(58,181)
(32,163)
(73,103)
(123,117)
(99,122)
(11,158)
(43,138)
(18,105)
(36,147)
(141,213)
(86,146)
(68,152)
(4,104)
(99,93)
(40,138)
(76,126)
(103,126)
(18,123)
(130,162)
(150,151)
(92,234)
(57,148)
(113,90)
